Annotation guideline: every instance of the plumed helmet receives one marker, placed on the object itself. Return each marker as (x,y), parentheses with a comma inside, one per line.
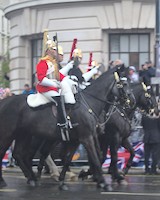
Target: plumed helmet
(50,44)
(94,63)
(77,53)
(60,50)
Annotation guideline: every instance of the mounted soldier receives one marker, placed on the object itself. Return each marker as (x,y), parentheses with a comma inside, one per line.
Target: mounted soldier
(93,64)
(83,77)
(53,84)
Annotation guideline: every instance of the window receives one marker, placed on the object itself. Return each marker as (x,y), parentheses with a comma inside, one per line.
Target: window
(36,55)
(133,49)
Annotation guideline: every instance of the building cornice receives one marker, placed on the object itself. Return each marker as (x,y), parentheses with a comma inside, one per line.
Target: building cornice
(34,3)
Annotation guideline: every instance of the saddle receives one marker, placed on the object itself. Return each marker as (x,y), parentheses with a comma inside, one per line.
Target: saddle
(38,100)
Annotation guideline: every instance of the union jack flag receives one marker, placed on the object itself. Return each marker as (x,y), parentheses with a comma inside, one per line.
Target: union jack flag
(139,153)
(5,160)
(123,156)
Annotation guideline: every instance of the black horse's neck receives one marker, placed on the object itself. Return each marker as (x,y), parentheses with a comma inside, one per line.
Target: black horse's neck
(98,94)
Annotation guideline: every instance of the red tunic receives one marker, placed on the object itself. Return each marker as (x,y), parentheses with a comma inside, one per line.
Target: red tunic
(41,69)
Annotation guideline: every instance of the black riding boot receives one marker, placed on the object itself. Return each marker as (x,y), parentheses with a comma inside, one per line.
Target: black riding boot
(61,113)
(62,120)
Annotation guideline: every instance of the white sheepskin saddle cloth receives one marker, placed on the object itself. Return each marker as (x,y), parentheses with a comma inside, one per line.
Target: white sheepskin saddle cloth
(38,99)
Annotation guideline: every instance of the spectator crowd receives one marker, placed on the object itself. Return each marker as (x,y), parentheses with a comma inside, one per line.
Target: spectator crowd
(145,73)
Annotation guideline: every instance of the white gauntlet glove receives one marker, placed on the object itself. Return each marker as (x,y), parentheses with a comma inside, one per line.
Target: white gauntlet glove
(66,68)
(70,64)
(88,75)
(50,82)
(95,70)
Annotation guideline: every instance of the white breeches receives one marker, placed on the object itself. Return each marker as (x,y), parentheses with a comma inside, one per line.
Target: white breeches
(51,94)
(66,91)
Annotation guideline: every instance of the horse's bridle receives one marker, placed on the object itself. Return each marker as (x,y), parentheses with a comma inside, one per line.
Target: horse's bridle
(148,96)
(120,86)
(125,96)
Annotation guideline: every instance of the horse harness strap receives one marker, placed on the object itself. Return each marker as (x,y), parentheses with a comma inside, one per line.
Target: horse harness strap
(112,109)
(88,107)
(123,114)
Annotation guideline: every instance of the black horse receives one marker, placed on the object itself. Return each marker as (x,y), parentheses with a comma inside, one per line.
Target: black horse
(20,122)
(66,149)
(118,129)
(118,135)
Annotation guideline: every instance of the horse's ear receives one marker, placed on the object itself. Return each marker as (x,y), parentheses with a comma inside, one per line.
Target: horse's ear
(116,76)
(144,86)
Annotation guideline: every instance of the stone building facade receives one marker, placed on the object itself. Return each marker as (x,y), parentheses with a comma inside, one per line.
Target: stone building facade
(109,28)
(4,34)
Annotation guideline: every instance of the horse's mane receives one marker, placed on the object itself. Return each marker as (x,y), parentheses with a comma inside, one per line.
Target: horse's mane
(105,76)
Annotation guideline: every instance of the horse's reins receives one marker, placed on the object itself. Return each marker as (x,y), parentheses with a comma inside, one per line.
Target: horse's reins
(113,104)
(94,114)
(103,100)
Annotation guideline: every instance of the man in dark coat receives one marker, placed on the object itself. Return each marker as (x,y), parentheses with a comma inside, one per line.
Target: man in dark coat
(151,143)
(147,72)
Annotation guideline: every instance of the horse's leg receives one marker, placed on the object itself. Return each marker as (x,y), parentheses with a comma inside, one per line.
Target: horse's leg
(62,156)
(104,145)
(126,144)
(2,181)
(4,145)
(44,153)
(98,148)
(20,153)
(103,142)
(35,144)
(70,149)
(114,144)
(95,163)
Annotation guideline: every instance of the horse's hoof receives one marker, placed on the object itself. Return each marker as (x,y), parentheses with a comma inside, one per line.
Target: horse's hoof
(81,174)
(31,183)
(55,177)
(125,171)
(63,187)
(2,184)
